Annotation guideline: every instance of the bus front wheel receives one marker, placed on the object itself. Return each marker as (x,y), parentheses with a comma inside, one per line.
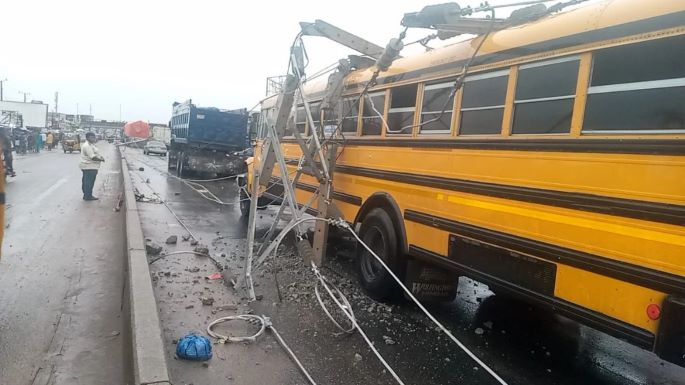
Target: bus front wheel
(377,232)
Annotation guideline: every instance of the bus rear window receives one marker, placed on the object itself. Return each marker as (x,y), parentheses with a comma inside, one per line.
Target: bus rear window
(638,88)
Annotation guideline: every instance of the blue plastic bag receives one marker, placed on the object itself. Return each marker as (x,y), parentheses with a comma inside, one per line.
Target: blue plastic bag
(194,347)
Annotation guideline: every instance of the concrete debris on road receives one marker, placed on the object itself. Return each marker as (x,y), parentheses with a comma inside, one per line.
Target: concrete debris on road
(479,331)
(202,250)
(185,237)
(207,301)
(226,307)
(357,357)
(388,340)
(193,242)
(172,240)
(152,248)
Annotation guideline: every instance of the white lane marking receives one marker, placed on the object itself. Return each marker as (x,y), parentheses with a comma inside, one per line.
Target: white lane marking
(49,191)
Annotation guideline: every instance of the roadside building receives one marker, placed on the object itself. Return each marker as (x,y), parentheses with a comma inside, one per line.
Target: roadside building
(161,132)
(33,114)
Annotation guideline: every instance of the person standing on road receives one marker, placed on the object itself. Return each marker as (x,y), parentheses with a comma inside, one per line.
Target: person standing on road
(90,163)
(49,140)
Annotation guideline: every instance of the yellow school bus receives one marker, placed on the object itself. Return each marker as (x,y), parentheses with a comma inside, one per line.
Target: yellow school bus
(557,174)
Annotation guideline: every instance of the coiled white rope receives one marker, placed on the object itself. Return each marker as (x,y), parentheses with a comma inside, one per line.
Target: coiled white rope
(250,318)
(264,323)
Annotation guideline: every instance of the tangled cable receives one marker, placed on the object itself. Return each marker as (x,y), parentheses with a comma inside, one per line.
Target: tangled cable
(346,308)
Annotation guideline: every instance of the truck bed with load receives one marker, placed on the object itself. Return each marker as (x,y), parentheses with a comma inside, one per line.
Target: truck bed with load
(207,140)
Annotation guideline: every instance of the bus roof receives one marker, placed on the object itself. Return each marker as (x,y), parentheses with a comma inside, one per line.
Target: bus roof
(594,22)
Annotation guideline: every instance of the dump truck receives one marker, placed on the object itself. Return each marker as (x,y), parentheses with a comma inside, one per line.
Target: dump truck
(207,140)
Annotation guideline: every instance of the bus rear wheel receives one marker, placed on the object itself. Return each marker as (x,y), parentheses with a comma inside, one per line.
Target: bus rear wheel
(377,232)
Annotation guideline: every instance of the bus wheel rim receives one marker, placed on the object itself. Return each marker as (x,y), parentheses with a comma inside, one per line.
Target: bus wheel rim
(370,267)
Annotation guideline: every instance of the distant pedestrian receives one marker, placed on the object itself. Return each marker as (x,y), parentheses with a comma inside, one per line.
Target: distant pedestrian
(39,142)
(90,163)
(31,142)
(6,144)
(49,141)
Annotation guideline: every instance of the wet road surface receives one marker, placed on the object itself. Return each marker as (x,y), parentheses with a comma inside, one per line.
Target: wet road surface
(61,275)
(524,345)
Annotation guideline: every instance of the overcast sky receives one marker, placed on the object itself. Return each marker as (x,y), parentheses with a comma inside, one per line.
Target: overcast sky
(145,54)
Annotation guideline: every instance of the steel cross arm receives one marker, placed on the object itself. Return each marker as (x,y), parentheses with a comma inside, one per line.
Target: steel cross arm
(317,144)
(338,35)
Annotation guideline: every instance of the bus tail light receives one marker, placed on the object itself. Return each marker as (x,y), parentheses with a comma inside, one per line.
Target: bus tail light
(653,311)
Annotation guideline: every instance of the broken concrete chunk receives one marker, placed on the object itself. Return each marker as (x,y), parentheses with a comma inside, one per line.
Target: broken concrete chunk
(226,307)
(193,242)
(202,250)
(172,240)
(152,248)
(207,301)
(185,237)
(479,331)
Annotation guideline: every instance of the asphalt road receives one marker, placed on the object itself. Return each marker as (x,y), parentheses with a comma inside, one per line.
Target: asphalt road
(524,345)
(61,275)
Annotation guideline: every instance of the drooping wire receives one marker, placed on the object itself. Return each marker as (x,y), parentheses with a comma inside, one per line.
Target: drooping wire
(458,83)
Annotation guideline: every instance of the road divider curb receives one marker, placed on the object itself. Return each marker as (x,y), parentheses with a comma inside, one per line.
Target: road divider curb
(149,359)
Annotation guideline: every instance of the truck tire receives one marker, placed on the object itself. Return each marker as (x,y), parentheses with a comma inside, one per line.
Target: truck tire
(171,162)
(378,232)
(181,171)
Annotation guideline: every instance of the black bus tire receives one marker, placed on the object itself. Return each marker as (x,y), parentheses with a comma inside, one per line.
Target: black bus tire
(377,231)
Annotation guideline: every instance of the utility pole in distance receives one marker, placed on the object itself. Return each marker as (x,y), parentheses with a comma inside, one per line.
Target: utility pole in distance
(25,95)
(2,83)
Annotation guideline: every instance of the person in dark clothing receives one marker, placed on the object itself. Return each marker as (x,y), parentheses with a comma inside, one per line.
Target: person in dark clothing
(6,144)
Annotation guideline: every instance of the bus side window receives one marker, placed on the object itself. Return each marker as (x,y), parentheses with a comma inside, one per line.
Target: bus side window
(350,115)
(638,88)
(402,109)
(372,116)
(435,100)
(482,105)
(316,116)
(300,119)
(330,122)
(545,93)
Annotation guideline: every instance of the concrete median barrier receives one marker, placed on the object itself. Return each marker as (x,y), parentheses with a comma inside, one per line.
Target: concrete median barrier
(148,356)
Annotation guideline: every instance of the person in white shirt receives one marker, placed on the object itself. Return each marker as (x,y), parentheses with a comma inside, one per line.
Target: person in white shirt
(90,163)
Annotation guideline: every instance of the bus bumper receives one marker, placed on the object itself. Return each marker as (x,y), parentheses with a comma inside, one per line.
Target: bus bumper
(670,340)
